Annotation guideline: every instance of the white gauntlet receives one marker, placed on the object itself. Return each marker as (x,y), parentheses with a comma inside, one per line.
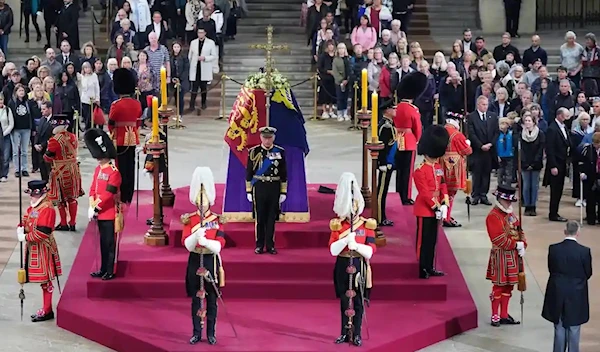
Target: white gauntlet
(338,246)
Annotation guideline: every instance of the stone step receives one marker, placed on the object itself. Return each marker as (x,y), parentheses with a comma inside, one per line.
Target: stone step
(274,2)
(277,31)
(242,50)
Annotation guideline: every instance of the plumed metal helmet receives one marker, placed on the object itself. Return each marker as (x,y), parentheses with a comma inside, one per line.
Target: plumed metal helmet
(434,141)
(99,144)
(202,187)
(124,82)
(412,85)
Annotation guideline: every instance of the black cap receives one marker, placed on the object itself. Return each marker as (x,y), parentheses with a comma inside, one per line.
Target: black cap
(99,144)
(59,120)
(267,131)
(506,192)
(36,187)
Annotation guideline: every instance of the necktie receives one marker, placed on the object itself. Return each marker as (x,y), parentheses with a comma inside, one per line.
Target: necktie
(483,116)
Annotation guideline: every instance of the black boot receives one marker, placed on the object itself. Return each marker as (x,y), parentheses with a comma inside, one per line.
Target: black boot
(527,211)
(423,274)
(509,321)
(72,228)
(341,339)
(212,340)
(195,339)
(45,317)
(357,341)
(434,272)
(97,274)
(533,211)
(61,228)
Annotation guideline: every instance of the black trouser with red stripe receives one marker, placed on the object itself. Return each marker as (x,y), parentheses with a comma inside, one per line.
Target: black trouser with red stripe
(427,231)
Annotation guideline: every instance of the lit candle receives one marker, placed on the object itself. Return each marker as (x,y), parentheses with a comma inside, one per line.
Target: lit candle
(155,119)
(374,117)
(364,89)
(163,87)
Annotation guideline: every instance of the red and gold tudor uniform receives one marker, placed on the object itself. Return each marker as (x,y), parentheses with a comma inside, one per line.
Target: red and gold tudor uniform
(365,234)
(104,200)
(123,124)
(455,165)
(65,177)
(211,262)
(42,262)
(504,230)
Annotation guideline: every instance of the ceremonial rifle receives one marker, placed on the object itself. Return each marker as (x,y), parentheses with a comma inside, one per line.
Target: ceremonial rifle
(21,273)
(522,283)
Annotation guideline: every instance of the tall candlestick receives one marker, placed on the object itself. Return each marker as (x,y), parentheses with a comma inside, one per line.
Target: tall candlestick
(374,116)
(155,119)
(163,87)
(364,89)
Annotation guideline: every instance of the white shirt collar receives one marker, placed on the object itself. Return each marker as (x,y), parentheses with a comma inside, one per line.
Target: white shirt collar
(571,238)
(560,124)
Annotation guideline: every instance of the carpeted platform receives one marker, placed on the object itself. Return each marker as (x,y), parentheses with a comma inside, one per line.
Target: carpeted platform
(277,303)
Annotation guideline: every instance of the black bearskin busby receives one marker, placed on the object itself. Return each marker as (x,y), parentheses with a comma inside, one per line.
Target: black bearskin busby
(124,82)
(99,144)
(434,142)
(411,86)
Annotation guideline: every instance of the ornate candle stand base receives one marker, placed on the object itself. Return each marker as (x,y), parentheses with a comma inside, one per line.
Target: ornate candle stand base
(364,116)
(156,235)
(374,147)
(168,197)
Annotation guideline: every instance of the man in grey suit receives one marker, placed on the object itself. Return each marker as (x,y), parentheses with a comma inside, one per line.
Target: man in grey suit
(566,302)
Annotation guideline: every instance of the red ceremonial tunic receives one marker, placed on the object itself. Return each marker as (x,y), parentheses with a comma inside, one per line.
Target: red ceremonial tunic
(124,122)
(431,185)
(503,265)
(65,178)
(364,229)
(104,191)
(211,221)
(455,160)
(408,126)
(42,259)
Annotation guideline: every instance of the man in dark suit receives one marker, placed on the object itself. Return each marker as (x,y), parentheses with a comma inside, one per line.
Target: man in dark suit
(557,152)
(483,130)
(67,26)
(512,11)
(566,302)
(42,136)
(159,27)
(67,55)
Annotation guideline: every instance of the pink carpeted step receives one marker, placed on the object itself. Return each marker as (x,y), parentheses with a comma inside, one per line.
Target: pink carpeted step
(268,289)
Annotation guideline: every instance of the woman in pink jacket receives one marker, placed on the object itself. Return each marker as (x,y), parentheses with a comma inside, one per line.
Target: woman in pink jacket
(364,34)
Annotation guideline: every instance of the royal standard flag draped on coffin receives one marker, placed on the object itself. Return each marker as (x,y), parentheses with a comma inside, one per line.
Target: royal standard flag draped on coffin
(246,118)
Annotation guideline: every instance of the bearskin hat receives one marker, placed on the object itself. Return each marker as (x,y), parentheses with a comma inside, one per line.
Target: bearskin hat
(99,144)
(434,141)
(412,85)
(124,82)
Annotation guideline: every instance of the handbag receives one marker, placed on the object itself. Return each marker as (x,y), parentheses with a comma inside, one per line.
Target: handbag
(236,11)
(98,117)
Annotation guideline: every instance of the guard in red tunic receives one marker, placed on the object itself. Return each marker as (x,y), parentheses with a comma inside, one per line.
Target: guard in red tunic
(65,178)
(408,132)
(455,164)
(42,262)
(123,123)
(508,248)
(431,205)
(352,242)
(104,200)
(204,237)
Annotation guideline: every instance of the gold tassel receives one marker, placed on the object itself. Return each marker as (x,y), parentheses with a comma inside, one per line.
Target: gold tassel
(119,222)
(369,276)
(221,272)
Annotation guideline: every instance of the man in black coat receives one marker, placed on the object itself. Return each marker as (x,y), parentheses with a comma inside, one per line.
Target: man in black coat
(483,131)
(42,136)
(67,26)
(158,26)
(557,152)
(506,47)
(566,302)
(402,10)
(512,12)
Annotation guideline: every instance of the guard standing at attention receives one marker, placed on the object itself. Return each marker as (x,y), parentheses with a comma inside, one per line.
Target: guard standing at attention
(408,132)
(387,135)
(204,237)
(104,199)
(65,177)
(123,123)
(352,242)
(266,187)
(432,201)
(42,262)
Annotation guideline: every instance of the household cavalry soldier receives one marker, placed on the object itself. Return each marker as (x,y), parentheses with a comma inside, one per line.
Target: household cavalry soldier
(352,242)
(266,187)
(123,123)
(42,262)
(508,246)
(204,237)
(105,205)
(455,163)
(408,132)
(387,135)
(65,178)
(149,162)
(431,205)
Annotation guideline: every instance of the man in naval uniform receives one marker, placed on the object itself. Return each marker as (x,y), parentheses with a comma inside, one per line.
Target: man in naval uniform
(204,238)
(387,135)
(266,187)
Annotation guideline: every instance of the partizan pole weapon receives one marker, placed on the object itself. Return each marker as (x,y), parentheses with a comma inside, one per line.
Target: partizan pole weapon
(522,283)
(21,273)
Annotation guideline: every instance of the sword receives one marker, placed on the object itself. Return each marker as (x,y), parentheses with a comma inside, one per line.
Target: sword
(220,297)
(366,303)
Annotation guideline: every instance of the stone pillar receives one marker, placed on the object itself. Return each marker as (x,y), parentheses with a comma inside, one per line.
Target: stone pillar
(491,13)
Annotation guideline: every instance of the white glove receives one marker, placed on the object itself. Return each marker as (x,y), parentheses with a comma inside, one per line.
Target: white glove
(468,142)
(583,176)
(352,237)
(21,233)
(352,245)
(203,241)
(282,198)
(383,168)
(444,211)
(138,149)
(249,197)
(520,245)
(91,213)
(200,233)
(521,252)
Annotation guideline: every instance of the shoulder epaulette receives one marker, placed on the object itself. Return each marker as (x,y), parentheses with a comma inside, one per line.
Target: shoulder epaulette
(220,218)
(371,224)
(185,218)
(280,147)
(256,146)
(335,224)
